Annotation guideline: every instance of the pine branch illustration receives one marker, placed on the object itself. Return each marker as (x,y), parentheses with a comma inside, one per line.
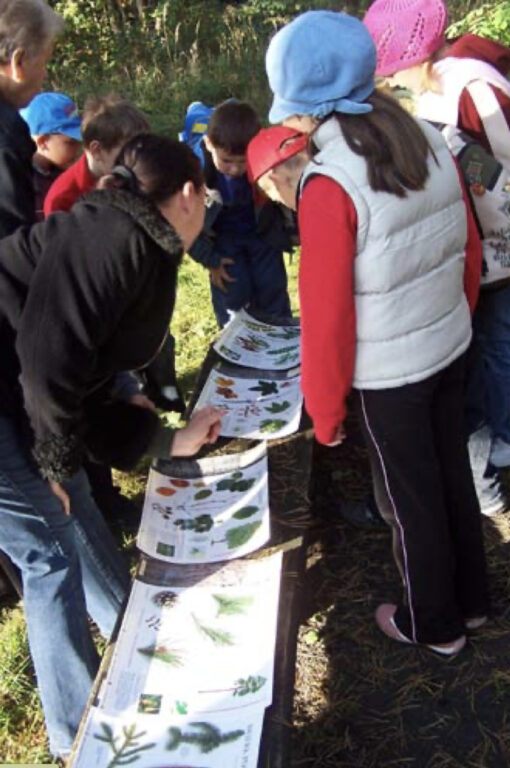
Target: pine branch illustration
(232,606)
(129,750)
(217,636)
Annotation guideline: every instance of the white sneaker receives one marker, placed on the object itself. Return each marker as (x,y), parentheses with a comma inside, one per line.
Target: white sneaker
(500,453)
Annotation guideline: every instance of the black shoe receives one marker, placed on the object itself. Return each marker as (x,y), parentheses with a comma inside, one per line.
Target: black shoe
(362,513)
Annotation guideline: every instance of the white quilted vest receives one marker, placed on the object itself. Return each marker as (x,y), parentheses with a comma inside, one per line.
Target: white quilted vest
(412,316)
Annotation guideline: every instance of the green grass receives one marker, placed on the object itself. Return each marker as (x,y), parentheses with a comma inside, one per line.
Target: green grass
(22,733)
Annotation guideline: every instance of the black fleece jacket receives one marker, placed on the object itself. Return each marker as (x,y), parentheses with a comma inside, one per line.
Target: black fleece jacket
(84,295)
(17,197)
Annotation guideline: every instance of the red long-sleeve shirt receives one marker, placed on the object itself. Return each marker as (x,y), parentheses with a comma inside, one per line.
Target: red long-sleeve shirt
(328,228)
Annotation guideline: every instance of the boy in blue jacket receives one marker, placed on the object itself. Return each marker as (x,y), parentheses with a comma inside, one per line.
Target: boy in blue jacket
(244,235)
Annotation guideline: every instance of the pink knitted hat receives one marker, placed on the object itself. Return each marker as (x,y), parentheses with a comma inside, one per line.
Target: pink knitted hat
(405,32)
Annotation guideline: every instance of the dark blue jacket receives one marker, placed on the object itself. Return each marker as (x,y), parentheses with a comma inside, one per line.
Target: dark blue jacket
(275,224)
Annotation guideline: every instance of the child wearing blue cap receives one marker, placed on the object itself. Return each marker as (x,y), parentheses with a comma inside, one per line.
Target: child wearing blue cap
(54,125)
(389,273)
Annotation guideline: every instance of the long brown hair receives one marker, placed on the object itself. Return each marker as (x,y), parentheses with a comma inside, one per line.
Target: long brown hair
(392,143)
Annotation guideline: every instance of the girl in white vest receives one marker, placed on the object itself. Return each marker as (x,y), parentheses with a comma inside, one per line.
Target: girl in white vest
(462,84)
(389,271)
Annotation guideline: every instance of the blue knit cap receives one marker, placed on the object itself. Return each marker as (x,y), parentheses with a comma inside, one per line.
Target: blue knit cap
(322,62)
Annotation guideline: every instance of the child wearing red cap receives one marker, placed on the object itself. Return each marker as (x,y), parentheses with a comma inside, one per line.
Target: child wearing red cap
(275,159)
(462,84)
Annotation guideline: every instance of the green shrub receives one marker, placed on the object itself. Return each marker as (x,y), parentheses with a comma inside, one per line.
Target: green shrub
(490,20)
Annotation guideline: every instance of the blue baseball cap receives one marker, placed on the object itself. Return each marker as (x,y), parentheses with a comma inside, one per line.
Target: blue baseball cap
(52,113)
(321,62)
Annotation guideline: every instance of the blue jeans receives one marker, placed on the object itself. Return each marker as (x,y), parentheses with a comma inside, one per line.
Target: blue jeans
(492,333)
(260,278)
(70,567)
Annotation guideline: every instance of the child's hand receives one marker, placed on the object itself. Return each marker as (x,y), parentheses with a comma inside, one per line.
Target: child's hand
(220,276)
(204,427)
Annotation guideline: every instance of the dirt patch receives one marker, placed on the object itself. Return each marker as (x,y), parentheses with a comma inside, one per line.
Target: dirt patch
(364,700)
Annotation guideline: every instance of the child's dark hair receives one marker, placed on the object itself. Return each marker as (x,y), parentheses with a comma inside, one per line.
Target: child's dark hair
(111,121)
(156,167)
(392,143)
(232,126)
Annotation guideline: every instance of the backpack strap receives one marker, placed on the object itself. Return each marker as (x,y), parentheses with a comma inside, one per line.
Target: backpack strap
(493,119)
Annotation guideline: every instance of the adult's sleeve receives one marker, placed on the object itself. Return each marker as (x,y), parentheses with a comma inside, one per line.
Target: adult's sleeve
(328,228)
(73,304)
(17,196)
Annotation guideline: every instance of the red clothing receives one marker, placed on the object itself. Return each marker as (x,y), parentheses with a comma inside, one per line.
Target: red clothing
(70,185)
(498,56)
(328,228)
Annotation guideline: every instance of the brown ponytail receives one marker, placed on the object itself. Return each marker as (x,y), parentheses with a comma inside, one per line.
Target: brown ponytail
(392,143)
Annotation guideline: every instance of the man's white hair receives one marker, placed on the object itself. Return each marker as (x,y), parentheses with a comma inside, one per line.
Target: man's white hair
(26,24)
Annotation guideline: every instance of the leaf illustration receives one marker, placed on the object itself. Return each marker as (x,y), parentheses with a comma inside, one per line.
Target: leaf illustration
(225,485)
(217,636)
(245,512)
(251,684)
(162,653)
(179,483)
(164,491)
(294,349)
(277,407)
(285,333)
(165,598)
(223,382)
(205,737)
(128,751)
(242,485)
(204,494)
(272,425)
(232,606)
(199,524)
(266,388)
(236,537)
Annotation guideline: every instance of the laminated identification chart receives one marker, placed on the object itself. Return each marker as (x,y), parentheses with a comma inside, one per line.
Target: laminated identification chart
(249,342)
(206,648)
(191,674)
(207,510)
(267,406)
(222,741)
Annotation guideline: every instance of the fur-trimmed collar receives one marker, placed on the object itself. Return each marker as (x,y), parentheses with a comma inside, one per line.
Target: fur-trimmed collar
(145,213)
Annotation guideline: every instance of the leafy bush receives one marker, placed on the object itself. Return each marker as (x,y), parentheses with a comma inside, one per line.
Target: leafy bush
(490,20)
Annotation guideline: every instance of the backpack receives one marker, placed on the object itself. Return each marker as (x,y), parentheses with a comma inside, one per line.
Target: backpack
(196,123)
(488,185)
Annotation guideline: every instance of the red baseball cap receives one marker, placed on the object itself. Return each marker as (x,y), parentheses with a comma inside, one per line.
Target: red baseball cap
(272,146)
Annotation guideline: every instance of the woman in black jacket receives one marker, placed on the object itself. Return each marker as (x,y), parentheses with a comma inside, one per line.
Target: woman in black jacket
(83,296)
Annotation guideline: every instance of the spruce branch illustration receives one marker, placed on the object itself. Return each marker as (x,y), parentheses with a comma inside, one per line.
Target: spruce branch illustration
(206,737)
(128,751)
